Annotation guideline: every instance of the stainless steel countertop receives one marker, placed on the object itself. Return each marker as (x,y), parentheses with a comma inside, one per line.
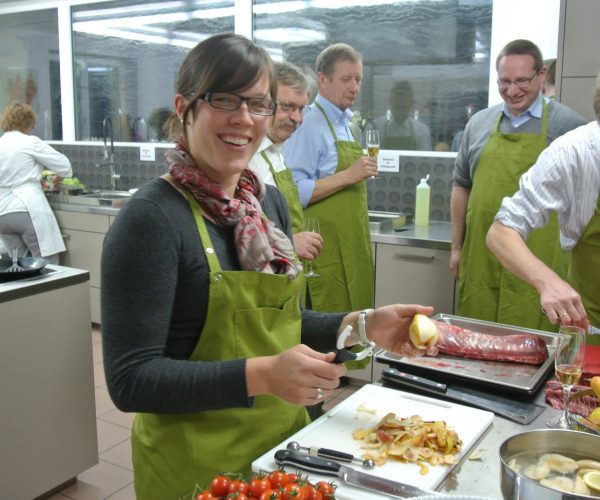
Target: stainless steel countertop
(436,235)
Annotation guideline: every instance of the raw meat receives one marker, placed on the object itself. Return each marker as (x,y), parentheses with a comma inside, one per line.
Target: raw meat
(519,348)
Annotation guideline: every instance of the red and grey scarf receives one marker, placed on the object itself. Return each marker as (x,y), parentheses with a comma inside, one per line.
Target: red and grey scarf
(260,245)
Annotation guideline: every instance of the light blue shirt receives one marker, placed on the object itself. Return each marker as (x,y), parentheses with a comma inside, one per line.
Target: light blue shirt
(310,152)
(535,111)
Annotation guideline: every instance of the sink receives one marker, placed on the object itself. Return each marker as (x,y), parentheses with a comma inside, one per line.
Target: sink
(386,221)
(115,199)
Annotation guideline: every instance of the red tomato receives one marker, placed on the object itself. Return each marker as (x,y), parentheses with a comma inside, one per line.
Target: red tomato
(238,486)
(238,496)
(292,477)
(258,485)
(326,489)
(292,491)
(311,493)
(270,494)
(219,486)
(205,495)
(277,478)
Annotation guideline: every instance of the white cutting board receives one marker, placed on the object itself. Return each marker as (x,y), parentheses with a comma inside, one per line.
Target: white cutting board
(334,430)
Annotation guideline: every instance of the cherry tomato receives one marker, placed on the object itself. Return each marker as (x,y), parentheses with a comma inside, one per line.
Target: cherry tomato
(277,478)
(258,485)
(238,496)
(270,494)
(219,486)
(292,491)
(238,486)
(292,477)
(311,493)
(326,489)
(205,495)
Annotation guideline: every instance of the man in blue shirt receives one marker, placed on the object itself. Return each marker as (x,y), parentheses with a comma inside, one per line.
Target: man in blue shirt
(330,170)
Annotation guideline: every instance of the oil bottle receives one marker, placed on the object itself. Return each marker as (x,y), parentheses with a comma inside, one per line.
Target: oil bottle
(422,203)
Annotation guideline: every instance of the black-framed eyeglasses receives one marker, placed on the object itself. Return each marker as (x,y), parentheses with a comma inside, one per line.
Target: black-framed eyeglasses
(289,107)
(522,83)
(233,102)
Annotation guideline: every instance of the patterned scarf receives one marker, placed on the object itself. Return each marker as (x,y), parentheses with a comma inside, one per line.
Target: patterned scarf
(260,245)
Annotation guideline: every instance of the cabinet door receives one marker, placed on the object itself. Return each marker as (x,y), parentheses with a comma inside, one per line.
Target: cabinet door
(412,275)
(84,251)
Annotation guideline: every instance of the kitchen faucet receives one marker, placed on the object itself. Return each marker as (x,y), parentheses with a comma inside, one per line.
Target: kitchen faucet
(109,155)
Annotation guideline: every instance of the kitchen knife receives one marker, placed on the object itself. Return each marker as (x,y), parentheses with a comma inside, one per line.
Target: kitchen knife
(349,475)
(515,410)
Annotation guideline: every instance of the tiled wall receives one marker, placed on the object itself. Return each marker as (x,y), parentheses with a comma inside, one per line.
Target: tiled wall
(389,192)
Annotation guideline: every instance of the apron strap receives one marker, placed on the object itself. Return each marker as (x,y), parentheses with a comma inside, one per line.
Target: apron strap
(211,256)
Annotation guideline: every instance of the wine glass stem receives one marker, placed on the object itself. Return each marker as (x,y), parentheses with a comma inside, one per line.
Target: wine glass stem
(566,392)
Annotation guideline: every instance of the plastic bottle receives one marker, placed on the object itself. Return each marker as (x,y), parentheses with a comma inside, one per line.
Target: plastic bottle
(422,203)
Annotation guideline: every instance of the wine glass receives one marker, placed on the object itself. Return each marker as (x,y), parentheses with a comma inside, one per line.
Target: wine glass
(311,224)
(568,365)
(372,141)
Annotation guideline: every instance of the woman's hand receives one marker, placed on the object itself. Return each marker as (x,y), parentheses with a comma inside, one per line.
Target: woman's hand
(295,375)
(388,326)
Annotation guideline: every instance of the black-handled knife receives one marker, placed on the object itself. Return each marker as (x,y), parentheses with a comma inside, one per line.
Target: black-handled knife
(349,475)
(415,381)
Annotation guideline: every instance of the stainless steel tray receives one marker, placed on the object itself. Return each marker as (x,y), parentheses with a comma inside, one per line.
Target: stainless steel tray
(517,377)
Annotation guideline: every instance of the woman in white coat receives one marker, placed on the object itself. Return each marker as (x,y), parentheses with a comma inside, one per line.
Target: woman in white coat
(26,219)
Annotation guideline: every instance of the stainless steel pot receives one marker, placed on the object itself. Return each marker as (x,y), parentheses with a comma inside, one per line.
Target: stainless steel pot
(566,442)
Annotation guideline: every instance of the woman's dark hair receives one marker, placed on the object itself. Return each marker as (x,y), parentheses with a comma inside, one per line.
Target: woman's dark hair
(223,63)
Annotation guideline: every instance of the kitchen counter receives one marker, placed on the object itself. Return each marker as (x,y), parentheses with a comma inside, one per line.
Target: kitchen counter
(46,382)
(437,235)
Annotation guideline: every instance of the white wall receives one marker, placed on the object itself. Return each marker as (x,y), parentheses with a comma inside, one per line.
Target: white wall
(535,20)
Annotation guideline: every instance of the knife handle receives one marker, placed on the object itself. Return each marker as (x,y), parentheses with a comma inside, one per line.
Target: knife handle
(307,462)
(396,376)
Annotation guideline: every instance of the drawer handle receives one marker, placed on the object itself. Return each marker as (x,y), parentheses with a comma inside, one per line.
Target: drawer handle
(416,258)
(66,236)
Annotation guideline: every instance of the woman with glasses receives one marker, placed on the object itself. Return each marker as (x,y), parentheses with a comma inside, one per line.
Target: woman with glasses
(498,145)
(203,334)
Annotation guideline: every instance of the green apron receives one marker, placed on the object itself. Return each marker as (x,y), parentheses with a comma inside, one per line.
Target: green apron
(345,264)
(402,142)
(487,290)
(285,183)
(584,272)
(249,314)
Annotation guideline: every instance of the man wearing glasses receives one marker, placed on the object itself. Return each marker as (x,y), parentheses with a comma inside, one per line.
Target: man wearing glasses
(499,144)
(293,92)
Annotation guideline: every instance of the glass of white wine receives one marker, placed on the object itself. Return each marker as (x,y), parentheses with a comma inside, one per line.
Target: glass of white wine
(311,224)
(372,142)
(568,365)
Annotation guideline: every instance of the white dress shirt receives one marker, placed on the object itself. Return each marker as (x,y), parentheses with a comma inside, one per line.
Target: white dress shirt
(565,179)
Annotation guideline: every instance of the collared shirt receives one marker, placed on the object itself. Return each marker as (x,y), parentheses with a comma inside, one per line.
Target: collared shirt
(261,167)
(310,152)
(565,179)
(535,111)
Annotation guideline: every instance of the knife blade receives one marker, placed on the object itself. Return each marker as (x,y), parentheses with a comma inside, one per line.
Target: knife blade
(518,411)
(349,475)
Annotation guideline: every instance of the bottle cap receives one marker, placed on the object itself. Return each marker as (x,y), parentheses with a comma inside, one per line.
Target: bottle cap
(424,181)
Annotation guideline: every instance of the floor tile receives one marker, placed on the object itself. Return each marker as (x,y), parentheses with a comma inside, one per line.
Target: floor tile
(97,352)
(103,402)
(119,455)
(118,417)
(110,435)
(127,493)
(99,482)
(99,377)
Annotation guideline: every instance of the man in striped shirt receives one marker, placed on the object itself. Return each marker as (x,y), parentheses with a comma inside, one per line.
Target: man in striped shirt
(565,179)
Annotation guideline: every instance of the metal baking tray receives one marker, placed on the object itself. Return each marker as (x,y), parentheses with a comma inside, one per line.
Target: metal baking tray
(518,378)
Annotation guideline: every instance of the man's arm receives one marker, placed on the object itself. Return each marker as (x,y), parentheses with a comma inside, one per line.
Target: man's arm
(458,215)
(556,296)
(361,169)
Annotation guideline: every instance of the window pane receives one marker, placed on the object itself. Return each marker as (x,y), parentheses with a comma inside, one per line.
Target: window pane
(29,67)
(126,58)
(426,62)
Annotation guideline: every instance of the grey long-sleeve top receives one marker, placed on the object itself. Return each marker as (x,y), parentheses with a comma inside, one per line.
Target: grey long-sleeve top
(154,303)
